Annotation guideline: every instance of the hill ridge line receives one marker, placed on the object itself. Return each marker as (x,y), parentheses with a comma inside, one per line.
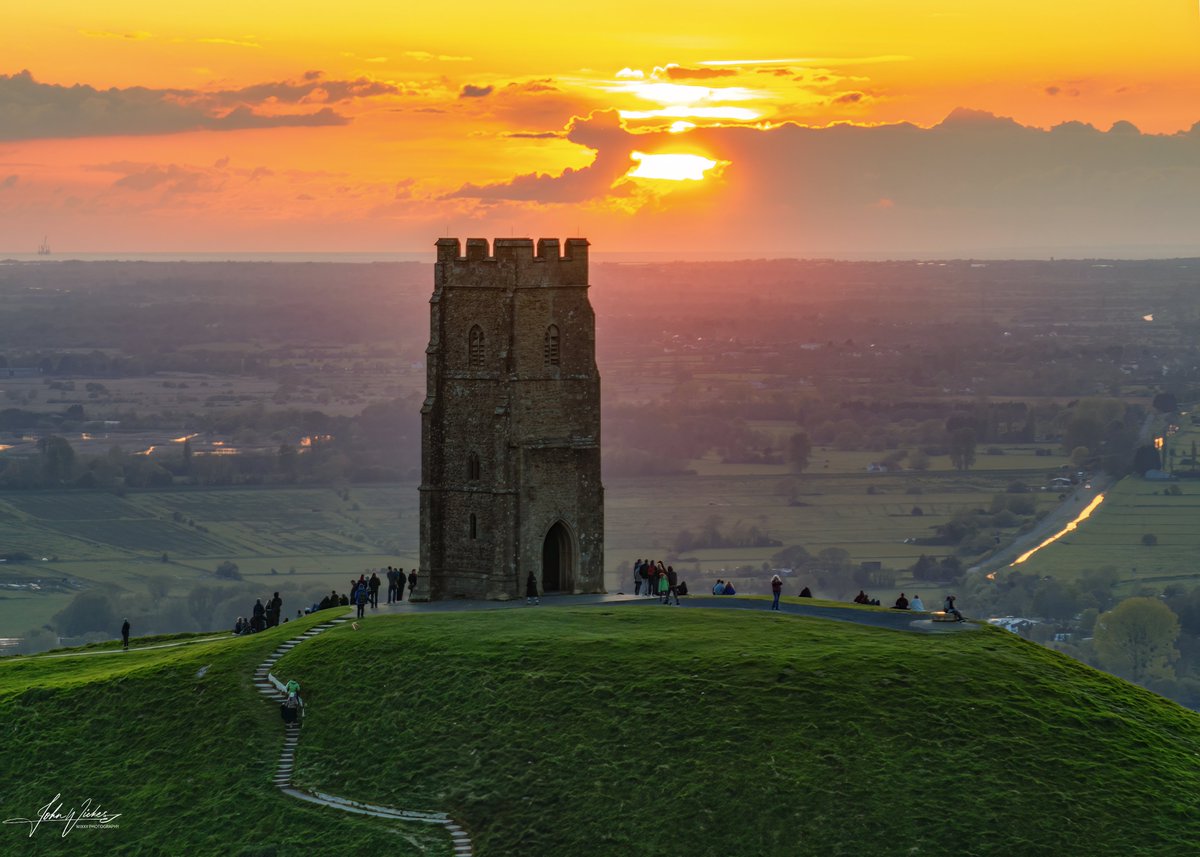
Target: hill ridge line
(272,688)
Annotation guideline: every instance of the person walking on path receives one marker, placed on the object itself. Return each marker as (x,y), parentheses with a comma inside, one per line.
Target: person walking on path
(361,596)
(412,584)
(776,591)
(373,587)
(531,590)
(125,635)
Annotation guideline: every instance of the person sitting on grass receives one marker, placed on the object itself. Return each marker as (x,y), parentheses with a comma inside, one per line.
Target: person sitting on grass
(901,603)
(861,598)
(719,587)
(729,590)
(916,603)
(806,593)
(951,610)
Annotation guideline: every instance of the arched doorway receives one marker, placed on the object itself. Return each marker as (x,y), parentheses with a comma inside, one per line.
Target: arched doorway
(558,560)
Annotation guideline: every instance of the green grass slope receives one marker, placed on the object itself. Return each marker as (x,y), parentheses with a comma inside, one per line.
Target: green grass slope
(618,730)
(634,730)
(186,760)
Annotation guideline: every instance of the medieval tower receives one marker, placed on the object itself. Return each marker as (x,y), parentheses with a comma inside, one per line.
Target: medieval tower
(510,428)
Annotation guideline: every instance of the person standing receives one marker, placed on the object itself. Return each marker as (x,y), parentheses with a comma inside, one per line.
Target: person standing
(664,587)
(125,635)
(672,585)
(776,591)
(274,610)
(361,597)
(637,577)
(412,583)
(373,586)
(258,620)
(391,580)
(531,590)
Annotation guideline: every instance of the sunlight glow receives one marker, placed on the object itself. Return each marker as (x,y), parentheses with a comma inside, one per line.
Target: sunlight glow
(1091,507)
(670,167)
(681,126)
(682,111)
(683,93)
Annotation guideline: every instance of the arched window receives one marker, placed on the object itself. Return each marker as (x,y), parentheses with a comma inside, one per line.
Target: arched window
(474,529)
(475,348)
(550,351)
(473,467)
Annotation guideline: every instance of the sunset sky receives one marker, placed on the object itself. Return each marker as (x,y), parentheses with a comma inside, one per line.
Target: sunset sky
(806,127)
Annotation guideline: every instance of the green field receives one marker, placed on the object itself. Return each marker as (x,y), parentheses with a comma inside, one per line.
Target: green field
(867,514)
(609,730)
(1112,536)
(315,539)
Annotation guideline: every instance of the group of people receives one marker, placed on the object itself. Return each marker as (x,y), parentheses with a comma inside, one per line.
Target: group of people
(365,590)
(396,581)
(903,603)
(655,580)
(915,603)
(262,616)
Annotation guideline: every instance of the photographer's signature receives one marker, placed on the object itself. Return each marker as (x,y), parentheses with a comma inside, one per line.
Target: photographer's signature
(84,816)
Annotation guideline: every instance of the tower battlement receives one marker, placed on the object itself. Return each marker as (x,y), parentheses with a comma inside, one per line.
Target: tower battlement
(513,261)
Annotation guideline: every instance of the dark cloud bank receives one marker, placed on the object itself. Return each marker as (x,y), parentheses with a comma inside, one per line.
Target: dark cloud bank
(32,110)
(975,182)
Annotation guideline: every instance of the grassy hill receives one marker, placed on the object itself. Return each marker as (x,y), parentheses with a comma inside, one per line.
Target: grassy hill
(622,730)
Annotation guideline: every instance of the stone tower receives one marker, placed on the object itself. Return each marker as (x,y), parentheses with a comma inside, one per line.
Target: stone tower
(510,428)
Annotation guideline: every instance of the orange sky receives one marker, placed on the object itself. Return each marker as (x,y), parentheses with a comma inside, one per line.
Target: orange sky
(372,126)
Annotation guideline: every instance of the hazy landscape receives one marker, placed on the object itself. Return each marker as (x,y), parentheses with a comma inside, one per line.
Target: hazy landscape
(181,439)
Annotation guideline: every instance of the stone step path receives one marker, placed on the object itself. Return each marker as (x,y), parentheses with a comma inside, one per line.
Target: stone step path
(274,689)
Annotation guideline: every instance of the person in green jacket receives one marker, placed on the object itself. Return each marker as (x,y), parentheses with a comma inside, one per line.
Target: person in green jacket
(664,587)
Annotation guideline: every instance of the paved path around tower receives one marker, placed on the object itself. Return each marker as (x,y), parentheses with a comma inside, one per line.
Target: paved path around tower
(895,620)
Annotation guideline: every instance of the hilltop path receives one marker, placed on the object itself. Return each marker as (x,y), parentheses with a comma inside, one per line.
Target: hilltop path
(895,620)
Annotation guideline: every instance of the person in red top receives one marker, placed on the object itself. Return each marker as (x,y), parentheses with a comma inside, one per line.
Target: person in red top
(776,590)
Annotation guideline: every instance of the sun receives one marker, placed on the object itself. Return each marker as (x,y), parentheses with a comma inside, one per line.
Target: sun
(670,167)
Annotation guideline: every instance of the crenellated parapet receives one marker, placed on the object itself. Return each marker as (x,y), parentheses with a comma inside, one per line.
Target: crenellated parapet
(513,262)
